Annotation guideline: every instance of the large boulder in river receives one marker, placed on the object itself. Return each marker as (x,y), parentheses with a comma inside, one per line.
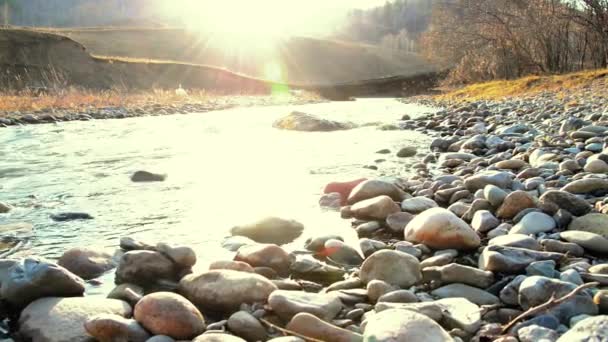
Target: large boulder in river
(225,290)
(86,263)
(169,314)
(374,188)
(270,230)
(33,278)
(403,325)
(440,229)
(298,121)
(62,319)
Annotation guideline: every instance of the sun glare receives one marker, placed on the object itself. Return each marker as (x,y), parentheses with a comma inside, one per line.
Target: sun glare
(269,18)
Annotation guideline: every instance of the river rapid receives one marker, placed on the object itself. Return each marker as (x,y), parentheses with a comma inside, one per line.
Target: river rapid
(224,168)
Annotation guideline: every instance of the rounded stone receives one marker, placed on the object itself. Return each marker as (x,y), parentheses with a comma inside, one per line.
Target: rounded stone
(440,229)
(263,255)
(534,223)
(86,263)
(375,208)
(110,328)
(245,325)
(403,325)
(167,313)
(393,267)
(225,290)
(514,203)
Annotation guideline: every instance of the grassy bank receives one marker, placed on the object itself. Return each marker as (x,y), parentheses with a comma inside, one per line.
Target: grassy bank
(75,100)
(531,85)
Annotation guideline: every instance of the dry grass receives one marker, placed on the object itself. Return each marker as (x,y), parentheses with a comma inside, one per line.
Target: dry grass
(74,100)
(77,99)
(530,85)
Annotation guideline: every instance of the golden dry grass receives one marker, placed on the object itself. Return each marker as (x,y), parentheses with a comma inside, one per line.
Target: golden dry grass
(530,85)
(75,99)
(78,99)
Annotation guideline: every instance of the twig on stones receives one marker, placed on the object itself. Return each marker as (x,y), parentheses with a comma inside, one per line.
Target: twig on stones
(289,332)
(547,305)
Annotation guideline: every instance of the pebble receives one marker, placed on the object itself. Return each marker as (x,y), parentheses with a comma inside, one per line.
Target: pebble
(441,229)
(393,267)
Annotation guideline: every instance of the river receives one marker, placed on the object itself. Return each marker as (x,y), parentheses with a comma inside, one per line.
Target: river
(224,168)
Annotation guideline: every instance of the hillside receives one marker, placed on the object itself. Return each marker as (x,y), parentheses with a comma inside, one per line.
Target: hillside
(302,60)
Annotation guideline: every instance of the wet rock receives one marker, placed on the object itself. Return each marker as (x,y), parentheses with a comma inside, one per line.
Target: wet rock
(72,216)
(244,325)
(534,223)
(265,255)
(130,244)
(406,152)
(587,185)
(54,319)
(593,223)
(514,203)
(144,268)
(298,121)
(511,259)
(225,290)
(311,326)
(129,293)
(478,181)
(456,273)
(589,329)
(233,243)
(5,208)
(590,241)
(403,325)
(375,208)
(374,188)
(441,229)
(516,240)
(33,278)
(537,290)
(169,314)
(340,253)
(473,294)
(418,204)
(287,304)
(111,328)
(565,200)
(145,176)
(270,230)
(182,256)
(393,267)
(343,188)
(86,263)
(332,200)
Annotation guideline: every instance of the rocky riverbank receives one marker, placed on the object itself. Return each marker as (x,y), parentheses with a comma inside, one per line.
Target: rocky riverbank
(501,235)
(90,106)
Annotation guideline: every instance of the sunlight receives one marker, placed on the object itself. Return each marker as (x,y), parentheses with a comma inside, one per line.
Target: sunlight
(250,19)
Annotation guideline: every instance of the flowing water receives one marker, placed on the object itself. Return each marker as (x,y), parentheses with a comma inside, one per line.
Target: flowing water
(224,168)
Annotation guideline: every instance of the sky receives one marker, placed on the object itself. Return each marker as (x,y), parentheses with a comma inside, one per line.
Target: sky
(265,17)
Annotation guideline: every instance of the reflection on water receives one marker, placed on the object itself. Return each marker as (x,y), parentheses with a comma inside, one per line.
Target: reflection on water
(225,168)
